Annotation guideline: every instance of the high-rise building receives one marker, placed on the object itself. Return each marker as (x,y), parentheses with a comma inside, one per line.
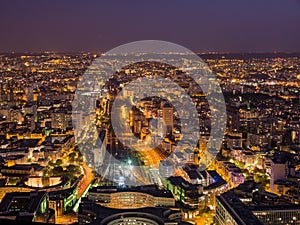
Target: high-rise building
(100,149)
(29,93)
(279,170)
(167,116)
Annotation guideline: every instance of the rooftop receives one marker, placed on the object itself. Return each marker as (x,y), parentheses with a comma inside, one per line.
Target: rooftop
(148,189)
(237,209)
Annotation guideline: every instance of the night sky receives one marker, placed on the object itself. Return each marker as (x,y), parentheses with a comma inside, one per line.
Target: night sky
(200,25)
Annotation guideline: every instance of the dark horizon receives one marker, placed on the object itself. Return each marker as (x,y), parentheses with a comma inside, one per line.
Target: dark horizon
(197,52)
(207,26)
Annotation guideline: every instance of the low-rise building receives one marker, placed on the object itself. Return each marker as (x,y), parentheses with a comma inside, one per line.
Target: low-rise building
(135,197)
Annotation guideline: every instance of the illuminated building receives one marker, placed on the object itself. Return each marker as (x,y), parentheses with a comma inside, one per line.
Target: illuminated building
(29,93)
(277,215)
(126,198)
(190,155)
(29,206)
(15,115)
(65,198)
(232,172)
(37,181)
(279,170)
(100,149)
(12,189)
(94,214)
(136,205)
(213,184)
(216,185)
(59,120)
(234,140)
(190,196)
(167,116)
(18,170)
(250,198)
(166,168)
(231,211)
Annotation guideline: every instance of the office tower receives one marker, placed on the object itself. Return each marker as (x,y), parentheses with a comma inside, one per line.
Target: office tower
(168,118)
(279,170)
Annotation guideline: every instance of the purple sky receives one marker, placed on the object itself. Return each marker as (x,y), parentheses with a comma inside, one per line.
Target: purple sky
(200,25)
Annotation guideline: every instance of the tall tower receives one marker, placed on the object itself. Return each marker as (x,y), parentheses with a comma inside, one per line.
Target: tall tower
(29,93)
(99,149)
(167,116)
(279,170)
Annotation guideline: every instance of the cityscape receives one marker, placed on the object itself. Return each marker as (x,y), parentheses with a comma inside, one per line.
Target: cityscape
(47,177)
(150,112)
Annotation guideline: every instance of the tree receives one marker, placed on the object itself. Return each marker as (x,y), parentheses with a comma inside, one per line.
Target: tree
(57,171)
(263,179)
(80,158)
(46,171)
(51,163)
(58,162)
(13,180)
(45,181)
(72,157)
(73,169)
